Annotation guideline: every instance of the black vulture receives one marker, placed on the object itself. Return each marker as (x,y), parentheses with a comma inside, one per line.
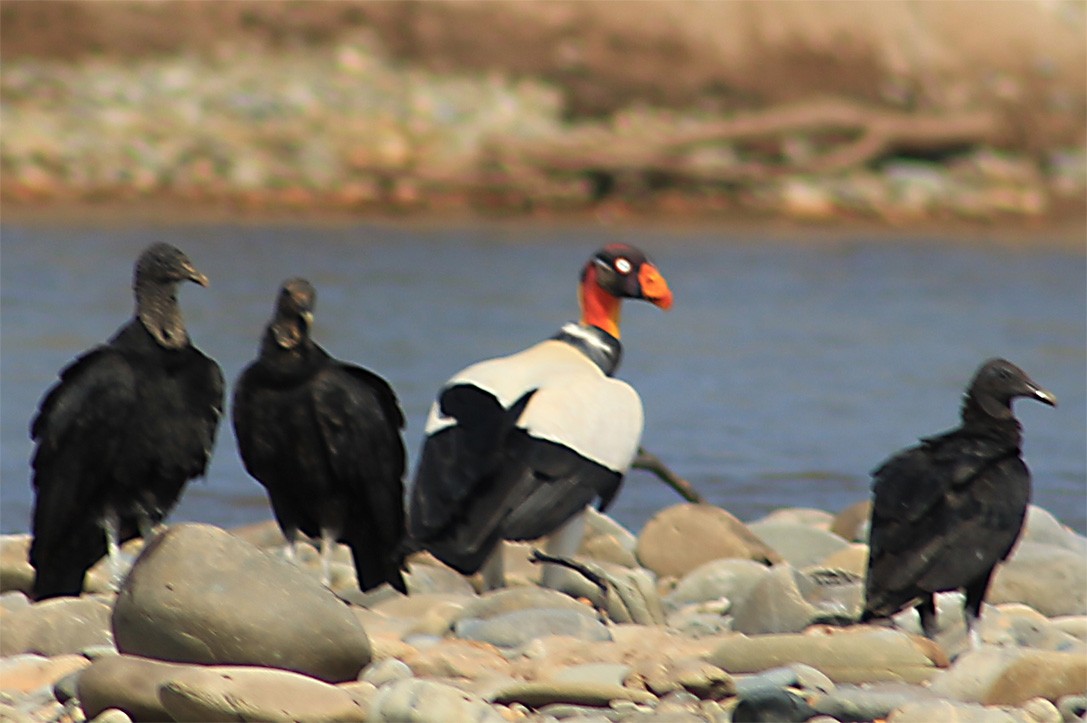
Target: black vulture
(323,437)
(946,511)
(128,424)
(516,447)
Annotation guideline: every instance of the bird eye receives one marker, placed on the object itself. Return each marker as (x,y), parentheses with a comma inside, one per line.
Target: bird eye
(623,265)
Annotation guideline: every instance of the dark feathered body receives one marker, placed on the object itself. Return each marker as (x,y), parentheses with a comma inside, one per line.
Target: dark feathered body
(497,465)
(945,512)
(323,437)
(127,425)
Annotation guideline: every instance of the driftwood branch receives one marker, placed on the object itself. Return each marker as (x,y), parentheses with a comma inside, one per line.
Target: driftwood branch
(600,581)
(652,463)
(840,135)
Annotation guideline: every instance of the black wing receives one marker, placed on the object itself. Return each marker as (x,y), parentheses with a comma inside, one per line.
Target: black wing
(458,462)
(205,390)
(360,422)
(943,514)
(80,434)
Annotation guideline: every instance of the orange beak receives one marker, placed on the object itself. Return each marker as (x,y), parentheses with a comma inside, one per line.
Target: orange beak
(654,287)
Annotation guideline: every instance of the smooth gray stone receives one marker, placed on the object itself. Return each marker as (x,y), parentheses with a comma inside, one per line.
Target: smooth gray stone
(783,677)
(112,715)
(514,629)
(1041,526)
(692,622)
(1048,578)
(13,600)
(536,693)
(797,675)
(422,578)
(838,596)
(731,578)
(386,671)
(67,687)
(579,713)
(771,704)
(799,544)
(775,605)
(500,602)
(854,703)
(426,701)
(948,711)
(599,673)
(1073,707)
(198,594)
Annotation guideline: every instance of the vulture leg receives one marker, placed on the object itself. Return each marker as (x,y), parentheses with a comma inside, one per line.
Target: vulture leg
(563,542)
(328,539)
(146,526)
(494,570)
(926,608)
(111,524)
(291,550)
(971,608)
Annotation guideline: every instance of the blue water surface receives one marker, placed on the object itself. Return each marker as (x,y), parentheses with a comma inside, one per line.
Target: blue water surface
(785,372)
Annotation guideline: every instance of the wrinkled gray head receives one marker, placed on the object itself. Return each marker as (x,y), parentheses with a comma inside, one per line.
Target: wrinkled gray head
(997,382)
(294,312)
(159,270)
(163,264)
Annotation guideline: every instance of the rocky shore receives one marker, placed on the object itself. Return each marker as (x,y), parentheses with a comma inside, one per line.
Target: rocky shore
(699,617)
(345,129)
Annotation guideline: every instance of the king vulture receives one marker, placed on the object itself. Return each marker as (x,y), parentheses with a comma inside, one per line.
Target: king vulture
(323,437)
(128,424)
(517,446)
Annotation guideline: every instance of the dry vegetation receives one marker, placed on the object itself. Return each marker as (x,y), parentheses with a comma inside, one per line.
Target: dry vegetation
(675,94)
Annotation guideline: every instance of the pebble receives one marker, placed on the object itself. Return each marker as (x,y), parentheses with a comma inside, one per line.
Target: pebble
(226,693)
(859,655)
(16,574)
(428,701)
(864,703)
(947,711)
(851,524)
(852,558)
(28,672)
(56,626)
(385,672)
(201,595)
(1073,707)
(514,629)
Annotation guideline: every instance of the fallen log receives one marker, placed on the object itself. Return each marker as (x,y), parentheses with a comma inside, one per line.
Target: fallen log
(837,135)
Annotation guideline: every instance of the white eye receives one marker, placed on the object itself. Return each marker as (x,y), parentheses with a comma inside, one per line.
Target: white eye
(623,266)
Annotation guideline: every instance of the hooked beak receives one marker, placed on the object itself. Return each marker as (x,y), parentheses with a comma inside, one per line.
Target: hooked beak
(654,287)
(307,316)
(1043,395)
(195,276)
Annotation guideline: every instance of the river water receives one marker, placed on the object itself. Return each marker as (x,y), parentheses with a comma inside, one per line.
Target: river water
(784,373)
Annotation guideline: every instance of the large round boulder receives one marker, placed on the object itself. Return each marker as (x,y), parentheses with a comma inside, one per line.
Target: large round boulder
(680,538)
(198,594)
